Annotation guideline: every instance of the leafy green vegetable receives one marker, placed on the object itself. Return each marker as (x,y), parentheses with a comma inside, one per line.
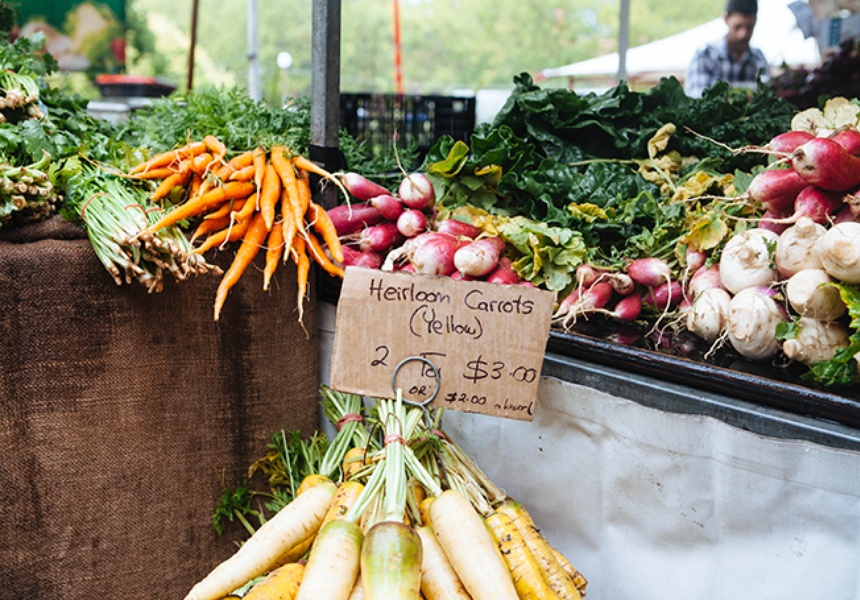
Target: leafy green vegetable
(841,370)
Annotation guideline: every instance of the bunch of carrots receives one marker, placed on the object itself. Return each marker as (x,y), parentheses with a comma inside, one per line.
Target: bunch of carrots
(397,511)
(261,199)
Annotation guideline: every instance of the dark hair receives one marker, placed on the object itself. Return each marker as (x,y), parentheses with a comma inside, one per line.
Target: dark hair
(745,7)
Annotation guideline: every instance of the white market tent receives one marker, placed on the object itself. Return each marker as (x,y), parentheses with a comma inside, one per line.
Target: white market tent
(777,35)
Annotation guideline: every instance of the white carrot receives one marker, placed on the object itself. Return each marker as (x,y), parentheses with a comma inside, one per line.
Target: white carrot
(291,525)
(470,548)
(332,567)
(438,578)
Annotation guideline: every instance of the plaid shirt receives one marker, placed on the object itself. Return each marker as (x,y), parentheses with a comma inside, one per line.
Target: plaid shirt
(713,63)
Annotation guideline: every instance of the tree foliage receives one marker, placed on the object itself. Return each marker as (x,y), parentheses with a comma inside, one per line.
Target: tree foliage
(446,44)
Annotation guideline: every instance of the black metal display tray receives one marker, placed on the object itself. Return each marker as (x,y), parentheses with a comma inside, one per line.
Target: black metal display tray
(685,360)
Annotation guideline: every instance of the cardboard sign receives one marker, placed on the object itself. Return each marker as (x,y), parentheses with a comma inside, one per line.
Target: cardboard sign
(471,346)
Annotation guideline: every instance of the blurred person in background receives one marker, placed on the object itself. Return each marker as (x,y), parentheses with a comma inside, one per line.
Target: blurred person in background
(730,59)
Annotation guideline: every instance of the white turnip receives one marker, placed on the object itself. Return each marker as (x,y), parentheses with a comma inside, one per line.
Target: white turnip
(809,295)
(796,247)
(816,341)
(707,315)
(751,323)
(747,260)
(839,251)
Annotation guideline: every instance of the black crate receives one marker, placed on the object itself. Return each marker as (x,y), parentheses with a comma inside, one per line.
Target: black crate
(417,120)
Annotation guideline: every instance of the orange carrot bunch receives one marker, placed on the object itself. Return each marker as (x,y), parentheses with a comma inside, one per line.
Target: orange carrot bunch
(261,199)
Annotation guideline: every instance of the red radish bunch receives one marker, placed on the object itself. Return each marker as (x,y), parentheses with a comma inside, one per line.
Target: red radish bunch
(399,231)
(380,221)
(819,176)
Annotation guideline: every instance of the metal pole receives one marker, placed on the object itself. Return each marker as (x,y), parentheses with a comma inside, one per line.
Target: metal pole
(189,82)
(325,91)
(623,38)
(253,58)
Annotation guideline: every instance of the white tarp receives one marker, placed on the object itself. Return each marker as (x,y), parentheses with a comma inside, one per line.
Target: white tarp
(651,505)
(776,34)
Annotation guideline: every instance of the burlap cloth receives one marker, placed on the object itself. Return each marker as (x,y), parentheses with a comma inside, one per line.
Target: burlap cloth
(121,412)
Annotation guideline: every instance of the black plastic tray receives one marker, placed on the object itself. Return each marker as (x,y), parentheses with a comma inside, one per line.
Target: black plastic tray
(687,362)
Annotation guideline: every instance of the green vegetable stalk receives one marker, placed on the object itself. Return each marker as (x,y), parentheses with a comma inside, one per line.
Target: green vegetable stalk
(115,213)
(27,193)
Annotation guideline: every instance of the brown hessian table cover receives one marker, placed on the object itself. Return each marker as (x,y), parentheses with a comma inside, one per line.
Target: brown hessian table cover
(123,413)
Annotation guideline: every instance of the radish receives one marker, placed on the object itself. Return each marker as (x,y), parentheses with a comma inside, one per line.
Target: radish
(411,222)
(504,273)
(461,276)
(776,189)
(649,272)
(816,341)
(367,258)
(433,253)
(775,222)
(479,258)
(707,315)
(845,213)
(823,162)
(786,142)
(817,204)
(380,237)
(839,251)
(352,218)
(459,228)
(416,191)
(586,275)
(388,205)
(627,309)
(664,296)
(704,279)
(581,302)
(751,323)
(622,284)
(747,260)
(848,139)
(796,247)
(809,295)
(361,187)
(694,260)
